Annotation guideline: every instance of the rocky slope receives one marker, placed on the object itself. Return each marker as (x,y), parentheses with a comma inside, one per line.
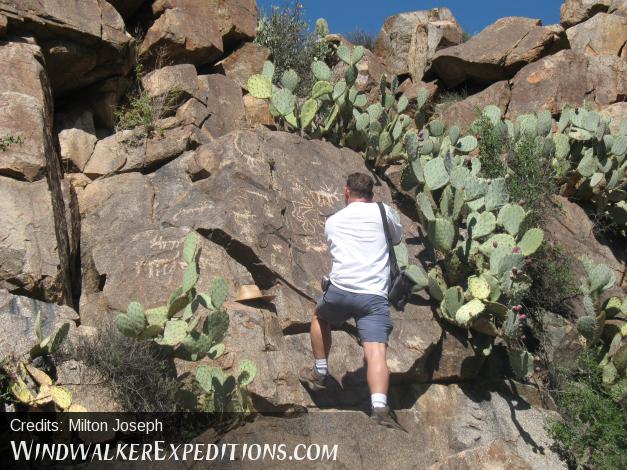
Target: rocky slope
(91,219)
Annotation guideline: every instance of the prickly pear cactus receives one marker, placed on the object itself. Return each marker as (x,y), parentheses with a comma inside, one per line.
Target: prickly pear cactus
(178,324)
(478,236)
(336,111)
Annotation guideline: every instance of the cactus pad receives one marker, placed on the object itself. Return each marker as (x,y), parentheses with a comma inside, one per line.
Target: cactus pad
(493,113)
(521,362)
(531,241)
(478,287)
(441,232)
(246,372)
(290,79)
(467,144)
(321,71)
(481,224)
(284,101)
(260,86)
(174,332)
(469,311)
(436,175)
(510,217)
(321,88)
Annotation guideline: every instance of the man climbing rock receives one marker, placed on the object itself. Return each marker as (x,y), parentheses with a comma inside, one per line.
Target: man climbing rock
(358,288)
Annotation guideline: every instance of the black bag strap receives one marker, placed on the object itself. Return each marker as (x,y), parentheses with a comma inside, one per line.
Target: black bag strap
(394,270)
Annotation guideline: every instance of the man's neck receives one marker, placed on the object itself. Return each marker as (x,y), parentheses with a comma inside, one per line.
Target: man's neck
(361,199)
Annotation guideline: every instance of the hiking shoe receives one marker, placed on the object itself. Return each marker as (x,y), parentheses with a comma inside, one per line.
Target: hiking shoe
(385,417)
(311,379)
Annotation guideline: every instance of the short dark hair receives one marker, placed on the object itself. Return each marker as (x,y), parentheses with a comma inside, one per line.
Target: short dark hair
(360,185)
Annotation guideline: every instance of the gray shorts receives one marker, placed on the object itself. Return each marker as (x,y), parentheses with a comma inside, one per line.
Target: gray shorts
(371,313)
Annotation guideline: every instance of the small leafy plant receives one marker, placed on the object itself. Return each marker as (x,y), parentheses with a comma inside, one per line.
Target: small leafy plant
(592,430)
(144,110)
(7,141)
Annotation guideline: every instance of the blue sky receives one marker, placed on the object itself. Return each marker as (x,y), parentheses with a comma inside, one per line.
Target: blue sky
(474,15)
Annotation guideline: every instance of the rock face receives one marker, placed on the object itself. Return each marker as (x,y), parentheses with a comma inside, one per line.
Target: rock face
(568,77)
(496,53)
(138,150)
(408,41)
(576,11)
(571,229)
(25,110)
(29,253)
(198,31)
(444,424)
(34,247)
(82,42)
(603,34)
(261,213)
(17,316)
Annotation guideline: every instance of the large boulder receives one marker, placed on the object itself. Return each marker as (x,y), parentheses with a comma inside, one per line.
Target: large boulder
(408,41)
(224,103)
(603,34)
(198,31)
(463,113)
(32,261)
(17,318)
(576,11)
(568,77)
(496,53)
(441,421)
(244,62)
(25,110)
(77,138)
(82,42)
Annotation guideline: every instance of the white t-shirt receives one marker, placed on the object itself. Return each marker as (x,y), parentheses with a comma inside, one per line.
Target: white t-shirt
(358,247)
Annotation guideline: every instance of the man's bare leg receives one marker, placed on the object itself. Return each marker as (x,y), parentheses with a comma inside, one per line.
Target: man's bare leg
(378,373)
(320,334)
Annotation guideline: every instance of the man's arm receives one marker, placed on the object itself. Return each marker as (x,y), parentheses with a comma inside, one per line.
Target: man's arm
(394,223)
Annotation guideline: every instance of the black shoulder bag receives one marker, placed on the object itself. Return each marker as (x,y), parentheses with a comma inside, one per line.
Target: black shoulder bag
(400,285)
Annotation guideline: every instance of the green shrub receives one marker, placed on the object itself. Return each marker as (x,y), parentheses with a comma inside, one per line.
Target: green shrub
(531,180)
(492,145)
(285,31)
(553,281)
(593,432)
(144,110)
(7,141)
(360,37)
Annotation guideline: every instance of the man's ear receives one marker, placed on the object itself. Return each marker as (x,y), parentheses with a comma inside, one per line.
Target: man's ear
(347,193)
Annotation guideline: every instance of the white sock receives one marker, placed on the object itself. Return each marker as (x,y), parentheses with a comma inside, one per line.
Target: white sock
(379,400)
(321,366)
